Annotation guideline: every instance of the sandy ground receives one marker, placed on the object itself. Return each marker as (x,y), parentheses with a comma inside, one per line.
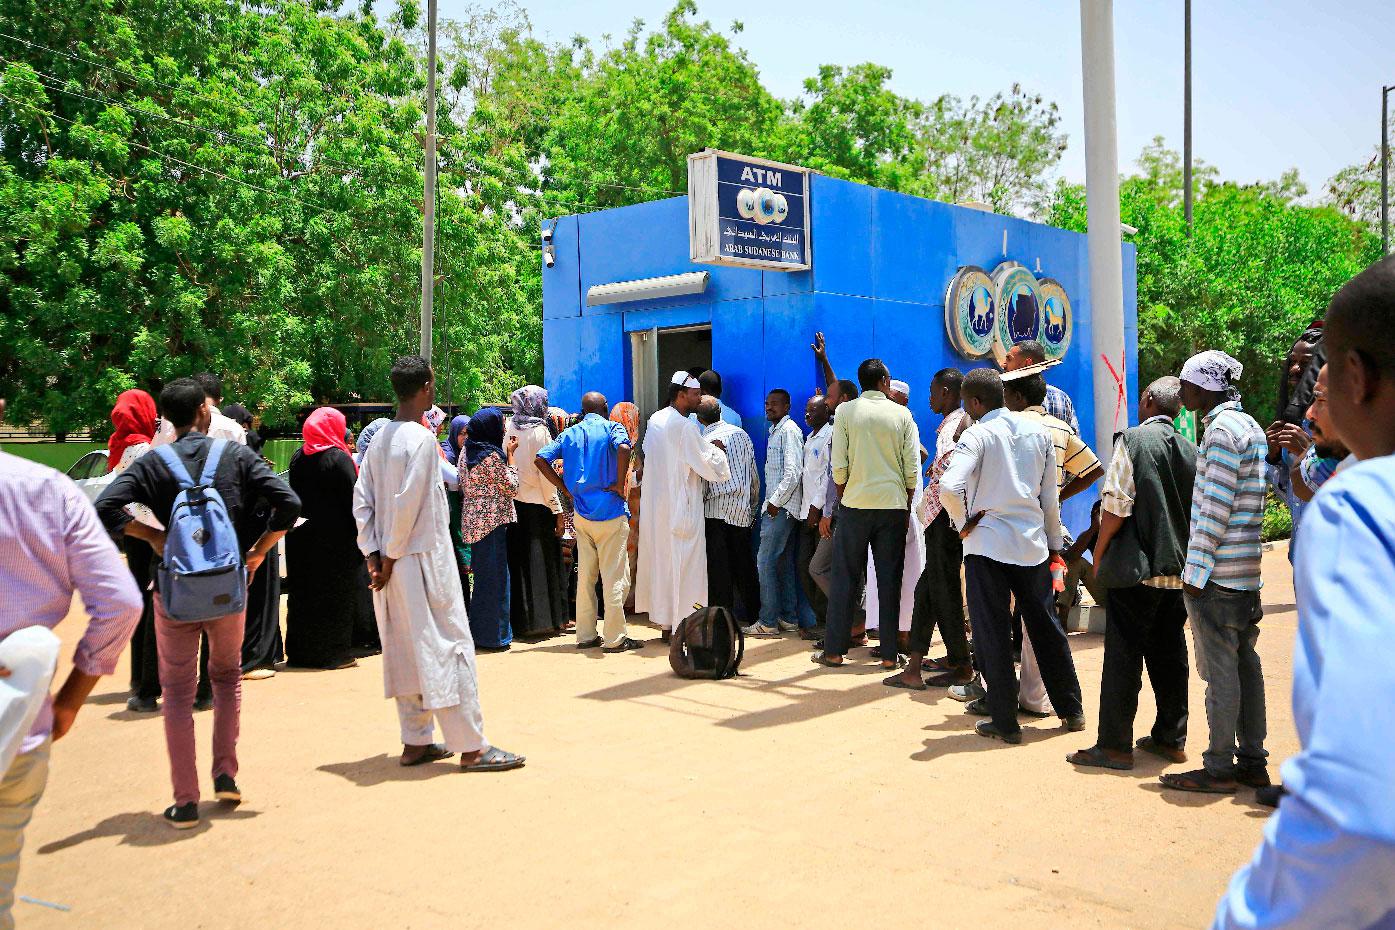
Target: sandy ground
(792,797)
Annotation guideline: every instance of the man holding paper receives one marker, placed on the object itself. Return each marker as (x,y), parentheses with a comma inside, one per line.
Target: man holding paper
(51,544)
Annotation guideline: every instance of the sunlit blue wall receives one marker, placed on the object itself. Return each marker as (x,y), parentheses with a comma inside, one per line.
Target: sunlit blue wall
(882,262)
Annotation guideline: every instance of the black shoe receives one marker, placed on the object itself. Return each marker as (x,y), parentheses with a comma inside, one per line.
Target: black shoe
(978,707)
(205,703)
(626,645)
(1257,777)
(1034,714)
(989,729)
(182,816)
(590,644)
(1074,722)
(140,705)
(225,789)
(1269,795)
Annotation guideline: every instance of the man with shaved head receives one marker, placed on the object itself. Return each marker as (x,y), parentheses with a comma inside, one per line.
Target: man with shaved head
(595,456)
(1139,554)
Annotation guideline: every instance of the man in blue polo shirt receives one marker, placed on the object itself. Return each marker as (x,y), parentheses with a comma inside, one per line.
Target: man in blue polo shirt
(595,456)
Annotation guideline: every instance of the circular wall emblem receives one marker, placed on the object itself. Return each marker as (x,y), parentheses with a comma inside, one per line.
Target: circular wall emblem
(1018,299)
(970,312)
(1057,323)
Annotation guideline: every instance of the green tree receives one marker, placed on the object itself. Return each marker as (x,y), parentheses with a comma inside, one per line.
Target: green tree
(1258,267)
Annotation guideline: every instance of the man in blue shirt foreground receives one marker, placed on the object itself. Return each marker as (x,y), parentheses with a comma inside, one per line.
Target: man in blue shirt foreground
(1328,854)
(595,455)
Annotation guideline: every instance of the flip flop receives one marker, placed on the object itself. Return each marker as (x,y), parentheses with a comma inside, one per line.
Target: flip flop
(495,760)
(1097,758)
(819,658)
(1199,782)
(434,753)
(896,681)
(945,679)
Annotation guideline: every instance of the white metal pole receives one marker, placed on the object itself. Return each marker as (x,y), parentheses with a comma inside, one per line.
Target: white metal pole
(1102,202)
(428,211)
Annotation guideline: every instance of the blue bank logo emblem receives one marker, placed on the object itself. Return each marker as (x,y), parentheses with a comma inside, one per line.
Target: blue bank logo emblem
(989,313)
(1057,323)
(971,312)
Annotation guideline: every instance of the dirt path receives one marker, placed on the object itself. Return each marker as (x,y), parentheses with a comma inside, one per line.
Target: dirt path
(793,797)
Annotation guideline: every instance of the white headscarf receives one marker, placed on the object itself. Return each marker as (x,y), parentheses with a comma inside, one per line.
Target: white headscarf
(1213,370)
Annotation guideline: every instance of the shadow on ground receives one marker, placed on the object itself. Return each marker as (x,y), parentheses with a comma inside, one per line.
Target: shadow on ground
(147,828)
(381,769)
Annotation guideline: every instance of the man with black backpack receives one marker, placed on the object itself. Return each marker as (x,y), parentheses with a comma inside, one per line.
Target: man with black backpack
(203,492)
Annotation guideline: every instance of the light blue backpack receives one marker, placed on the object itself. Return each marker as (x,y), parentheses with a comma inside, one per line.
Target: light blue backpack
(202,575)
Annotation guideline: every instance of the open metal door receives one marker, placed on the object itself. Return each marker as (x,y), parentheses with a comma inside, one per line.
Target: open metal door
(644,357)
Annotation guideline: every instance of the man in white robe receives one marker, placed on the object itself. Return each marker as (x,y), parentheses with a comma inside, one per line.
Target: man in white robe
(428,653)
(671,581)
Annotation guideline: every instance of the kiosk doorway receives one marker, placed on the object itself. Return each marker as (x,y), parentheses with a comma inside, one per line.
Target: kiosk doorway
(657,353)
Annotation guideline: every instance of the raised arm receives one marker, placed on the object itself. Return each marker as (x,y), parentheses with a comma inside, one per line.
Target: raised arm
(821,353)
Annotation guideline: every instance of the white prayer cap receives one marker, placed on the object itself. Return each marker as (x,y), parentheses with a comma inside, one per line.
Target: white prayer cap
(900,387)
(684,379)
(1028,370)
(1212,370)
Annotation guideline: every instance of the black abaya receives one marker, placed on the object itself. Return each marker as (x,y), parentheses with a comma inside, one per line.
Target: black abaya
(537,584)
(328,612)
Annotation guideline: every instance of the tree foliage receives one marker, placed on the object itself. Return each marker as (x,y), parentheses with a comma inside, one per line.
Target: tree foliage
(237,186)
(1258,267)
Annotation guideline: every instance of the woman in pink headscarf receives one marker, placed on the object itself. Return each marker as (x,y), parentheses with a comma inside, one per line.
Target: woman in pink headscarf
(329,616)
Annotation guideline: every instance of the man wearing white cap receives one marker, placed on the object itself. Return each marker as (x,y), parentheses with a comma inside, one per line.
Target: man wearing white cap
(671,577)
(1220,581)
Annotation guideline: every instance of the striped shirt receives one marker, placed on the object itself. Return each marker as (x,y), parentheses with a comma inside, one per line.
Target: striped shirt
(1227,501)
(1073,457)
(731,501)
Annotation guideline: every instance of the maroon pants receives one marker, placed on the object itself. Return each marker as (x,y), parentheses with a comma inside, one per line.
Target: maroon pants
(178,644)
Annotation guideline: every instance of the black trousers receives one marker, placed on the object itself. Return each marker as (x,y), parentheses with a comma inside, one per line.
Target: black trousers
(145,658)
(1143,626)
(808,539)
(731,568)
(855,530)
(939,596)
(991,584)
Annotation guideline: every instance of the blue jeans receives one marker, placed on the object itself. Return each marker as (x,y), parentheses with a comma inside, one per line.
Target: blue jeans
(1225,626)
(778,584)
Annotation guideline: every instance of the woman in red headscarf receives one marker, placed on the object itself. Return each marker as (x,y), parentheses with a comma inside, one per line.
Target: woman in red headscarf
(330,612)
(133,420)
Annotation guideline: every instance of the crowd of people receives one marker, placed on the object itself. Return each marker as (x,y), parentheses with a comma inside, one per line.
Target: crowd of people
(431,540)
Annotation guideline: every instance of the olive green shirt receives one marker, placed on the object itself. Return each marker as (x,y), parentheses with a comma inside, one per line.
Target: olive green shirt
(875,453)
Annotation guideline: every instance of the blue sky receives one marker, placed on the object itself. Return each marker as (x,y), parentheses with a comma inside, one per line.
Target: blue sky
(1276,84)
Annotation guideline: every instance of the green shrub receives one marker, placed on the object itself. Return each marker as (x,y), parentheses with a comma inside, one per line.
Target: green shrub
(1278,522)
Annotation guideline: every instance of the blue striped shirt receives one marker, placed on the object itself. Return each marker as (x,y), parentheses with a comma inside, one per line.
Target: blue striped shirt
(1227,501)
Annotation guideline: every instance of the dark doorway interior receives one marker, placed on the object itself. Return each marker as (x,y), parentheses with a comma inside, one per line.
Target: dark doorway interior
(689,348)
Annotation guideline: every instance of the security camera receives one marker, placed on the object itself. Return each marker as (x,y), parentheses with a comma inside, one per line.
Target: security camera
(549,255)
(547,234)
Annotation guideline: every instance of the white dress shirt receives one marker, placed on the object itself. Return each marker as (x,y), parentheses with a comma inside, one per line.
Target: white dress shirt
(816,466)
(1005,467)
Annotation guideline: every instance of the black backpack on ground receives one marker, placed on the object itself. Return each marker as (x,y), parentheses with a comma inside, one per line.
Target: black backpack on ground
(708,643)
